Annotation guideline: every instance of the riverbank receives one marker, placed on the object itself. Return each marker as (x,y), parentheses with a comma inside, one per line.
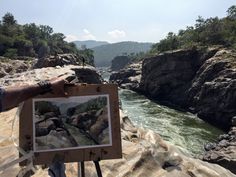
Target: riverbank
(144,151)
(200,81)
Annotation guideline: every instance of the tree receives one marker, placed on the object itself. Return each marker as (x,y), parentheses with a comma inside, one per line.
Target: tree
(232,12)
(46,31)
(8,19)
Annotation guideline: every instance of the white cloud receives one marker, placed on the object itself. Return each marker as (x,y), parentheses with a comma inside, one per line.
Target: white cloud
(116,34)
(86,31)
(87,35)
(70,38)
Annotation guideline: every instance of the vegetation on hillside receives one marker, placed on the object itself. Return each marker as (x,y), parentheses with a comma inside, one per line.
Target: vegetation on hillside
(206,32)
(104,54)
(35,41)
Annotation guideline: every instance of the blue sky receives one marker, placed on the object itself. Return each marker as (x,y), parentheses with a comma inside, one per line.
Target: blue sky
(114,20)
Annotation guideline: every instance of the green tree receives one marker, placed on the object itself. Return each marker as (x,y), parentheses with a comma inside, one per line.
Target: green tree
(8,19)
(232,12)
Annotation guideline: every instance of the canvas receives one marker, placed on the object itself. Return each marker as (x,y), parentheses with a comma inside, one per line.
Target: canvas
(83,126)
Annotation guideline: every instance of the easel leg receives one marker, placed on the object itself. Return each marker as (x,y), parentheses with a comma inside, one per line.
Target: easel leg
(81,171)
(98,169)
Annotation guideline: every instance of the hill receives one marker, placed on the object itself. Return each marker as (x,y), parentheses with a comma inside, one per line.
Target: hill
(89,43)
(105,53)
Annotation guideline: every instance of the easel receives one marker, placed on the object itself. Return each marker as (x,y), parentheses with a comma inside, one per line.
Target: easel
(81,169)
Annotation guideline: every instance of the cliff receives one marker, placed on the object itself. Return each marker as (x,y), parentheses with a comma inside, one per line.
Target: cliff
(200,81)
(144,152)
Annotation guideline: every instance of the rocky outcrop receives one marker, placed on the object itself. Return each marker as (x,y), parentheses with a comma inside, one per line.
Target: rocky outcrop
(144,152)
(212,91)
(58,60)
(196,80)
(87,75)
(8,66)
(201,81)
(168,76)
(119,62)
(224,151)
(129,77)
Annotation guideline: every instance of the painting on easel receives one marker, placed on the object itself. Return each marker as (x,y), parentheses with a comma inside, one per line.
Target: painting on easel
(84,126)
(73,122)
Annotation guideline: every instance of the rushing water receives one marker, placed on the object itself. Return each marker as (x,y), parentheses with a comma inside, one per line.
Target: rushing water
(182,129)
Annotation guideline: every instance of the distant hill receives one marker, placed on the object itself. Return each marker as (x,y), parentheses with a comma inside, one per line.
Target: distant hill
(105,53)
(89,43)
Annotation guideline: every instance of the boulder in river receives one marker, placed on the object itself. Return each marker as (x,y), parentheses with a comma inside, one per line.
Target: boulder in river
(224,151)
(129,77)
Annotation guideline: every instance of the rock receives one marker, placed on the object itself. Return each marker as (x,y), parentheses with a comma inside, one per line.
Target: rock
(58,60)
(119,62)
(129,77)
(97,128)
(209,146)
(234,121)
(212,89)
(144,152)
(8,66)
(167,77)
(88,75)
(199,81)
(224,151)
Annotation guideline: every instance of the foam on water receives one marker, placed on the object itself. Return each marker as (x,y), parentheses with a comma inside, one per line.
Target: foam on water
(179,128)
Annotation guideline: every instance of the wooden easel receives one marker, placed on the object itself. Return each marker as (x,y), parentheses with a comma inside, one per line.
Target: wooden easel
(81,169)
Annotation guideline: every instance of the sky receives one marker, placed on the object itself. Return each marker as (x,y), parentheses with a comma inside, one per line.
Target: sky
(114,20)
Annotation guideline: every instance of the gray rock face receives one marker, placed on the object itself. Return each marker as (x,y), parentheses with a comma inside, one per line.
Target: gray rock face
(119,62)
(168,76)
(87,75)
(203,82)
(129,77)
(224,151)
(13,66)
(58,60)
(212,92)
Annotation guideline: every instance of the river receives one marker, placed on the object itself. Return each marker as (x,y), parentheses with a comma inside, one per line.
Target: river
(183,129)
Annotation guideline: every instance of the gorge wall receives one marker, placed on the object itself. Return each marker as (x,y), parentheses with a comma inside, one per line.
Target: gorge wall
(200,81)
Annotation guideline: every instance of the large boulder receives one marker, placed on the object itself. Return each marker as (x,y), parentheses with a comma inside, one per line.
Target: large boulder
(87,75)
(212,91)
(168,76)
(58,60)
(128,77)
(8,66)
(224,151)
(200,81)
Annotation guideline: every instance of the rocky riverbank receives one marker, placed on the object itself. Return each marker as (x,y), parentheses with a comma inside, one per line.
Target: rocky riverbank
(223,152)
(144,152)
(200,81)
(21,64)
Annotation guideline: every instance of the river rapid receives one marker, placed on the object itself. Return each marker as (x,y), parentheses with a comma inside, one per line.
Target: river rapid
(183,129)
